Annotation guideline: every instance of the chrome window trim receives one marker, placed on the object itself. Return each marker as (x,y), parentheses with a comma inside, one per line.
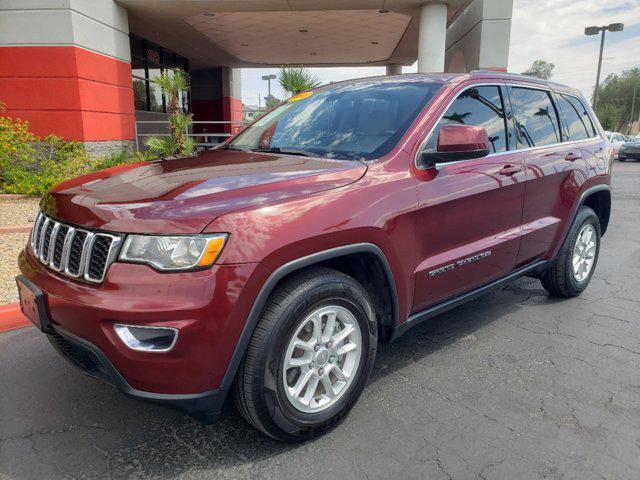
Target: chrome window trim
(507,152)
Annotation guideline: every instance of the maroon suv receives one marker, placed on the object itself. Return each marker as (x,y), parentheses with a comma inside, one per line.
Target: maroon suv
(269,268)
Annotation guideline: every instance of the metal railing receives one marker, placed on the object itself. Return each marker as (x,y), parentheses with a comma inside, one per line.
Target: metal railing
(206,136)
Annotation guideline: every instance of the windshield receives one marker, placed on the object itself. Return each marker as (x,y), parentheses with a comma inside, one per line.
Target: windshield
(362,121)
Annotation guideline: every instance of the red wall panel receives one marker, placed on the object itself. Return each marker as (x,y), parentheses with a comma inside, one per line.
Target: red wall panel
(68,91)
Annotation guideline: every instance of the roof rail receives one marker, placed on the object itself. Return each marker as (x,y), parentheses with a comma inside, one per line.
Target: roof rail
(485,70)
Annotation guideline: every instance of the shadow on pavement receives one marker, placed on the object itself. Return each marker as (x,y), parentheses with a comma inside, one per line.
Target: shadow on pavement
(56,422)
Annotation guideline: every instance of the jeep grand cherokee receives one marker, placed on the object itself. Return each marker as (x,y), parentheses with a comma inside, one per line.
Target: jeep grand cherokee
(268,269)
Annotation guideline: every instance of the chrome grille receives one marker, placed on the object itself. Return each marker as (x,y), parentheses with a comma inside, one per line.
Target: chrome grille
(74,252)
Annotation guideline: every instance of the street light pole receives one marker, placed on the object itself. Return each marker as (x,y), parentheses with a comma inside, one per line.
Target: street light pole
(613,27)
(268,78)
(595,93)
(633,108)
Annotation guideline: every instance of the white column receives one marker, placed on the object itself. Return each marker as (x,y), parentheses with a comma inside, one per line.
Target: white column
(394,69)
(432,37)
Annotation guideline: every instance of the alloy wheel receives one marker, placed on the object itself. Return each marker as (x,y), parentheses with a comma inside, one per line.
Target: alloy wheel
(321,359)
(584,252)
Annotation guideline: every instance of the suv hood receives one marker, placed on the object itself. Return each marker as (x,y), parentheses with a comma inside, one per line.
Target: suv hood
(185,195)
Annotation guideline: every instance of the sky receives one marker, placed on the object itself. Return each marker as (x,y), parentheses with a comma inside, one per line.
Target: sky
(552,30)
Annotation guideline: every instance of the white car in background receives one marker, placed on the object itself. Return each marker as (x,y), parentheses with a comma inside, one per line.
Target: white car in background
(617,140)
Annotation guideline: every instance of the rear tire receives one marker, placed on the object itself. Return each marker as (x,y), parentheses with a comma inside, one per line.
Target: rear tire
(571,271)
(310,309)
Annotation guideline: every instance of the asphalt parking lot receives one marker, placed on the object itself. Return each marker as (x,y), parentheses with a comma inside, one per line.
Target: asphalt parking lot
(515,385)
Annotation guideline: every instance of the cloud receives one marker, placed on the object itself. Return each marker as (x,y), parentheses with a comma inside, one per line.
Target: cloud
(553,30)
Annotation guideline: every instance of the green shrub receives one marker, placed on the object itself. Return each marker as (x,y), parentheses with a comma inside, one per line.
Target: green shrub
(30,165)
(16,143)
(120,158)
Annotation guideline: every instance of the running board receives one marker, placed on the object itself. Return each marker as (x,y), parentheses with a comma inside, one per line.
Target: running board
(430,312)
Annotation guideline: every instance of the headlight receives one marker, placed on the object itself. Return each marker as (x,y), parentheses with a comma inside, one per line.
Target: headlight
(173,252)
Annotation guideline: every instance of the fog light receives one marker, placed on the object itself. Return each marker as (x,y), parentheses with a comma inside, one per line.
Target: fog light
(147,339)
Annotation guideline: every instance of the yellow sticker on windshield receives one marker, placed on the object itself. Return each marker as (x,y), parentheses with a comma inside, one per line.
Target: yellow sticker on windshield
(300,96)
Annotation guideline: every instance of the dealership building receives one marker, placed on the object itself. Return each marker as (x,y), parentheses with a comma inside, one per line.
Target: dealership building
(81,69)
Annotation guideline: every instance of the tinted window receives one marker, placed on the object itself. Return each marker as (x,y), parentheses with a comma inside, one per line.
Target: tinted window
(536,118)
(577,118)
(480,107)
(147,62)
(362,120)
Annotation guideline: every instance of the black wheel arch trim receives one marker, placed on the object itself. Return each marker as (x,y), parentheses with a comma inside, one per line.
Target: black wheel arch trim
(602,187)
(267,288)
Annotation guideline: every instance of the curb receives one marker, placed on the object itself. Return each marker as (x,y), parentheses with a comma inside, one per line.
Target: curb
(15,229)
(13,196)
(11,318)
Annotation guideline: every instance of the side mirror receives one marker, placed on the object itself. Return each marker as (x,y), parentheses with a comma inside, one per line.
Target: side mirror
(457,142)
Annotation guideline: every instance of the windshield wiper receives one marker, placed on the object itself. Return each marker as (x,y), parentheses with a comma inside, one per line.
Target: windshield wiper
(301,153)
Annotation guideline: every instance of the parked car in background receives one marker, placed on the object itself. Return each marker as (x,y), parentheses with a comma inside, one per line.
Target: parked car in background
(269,269)
(630,150)
(616,140)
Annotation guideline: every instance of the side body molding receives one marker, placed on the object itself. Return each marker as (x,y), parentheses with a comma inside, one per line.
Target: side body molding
(279,274)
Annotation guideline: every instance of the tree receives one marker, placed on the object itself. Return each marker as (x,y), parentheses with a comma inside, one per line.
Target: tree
(271,102)
(615,99)
(294,80)
(610,116)
(540,69)
(172,83)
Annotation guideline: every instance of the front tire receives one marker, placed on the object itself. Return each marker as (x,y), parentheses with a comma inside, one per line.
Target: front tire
(571,271)
(310,356)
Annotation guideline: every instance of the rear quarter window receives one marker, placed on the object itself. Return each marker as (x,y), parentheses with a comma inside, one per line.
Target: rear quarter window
(577,118)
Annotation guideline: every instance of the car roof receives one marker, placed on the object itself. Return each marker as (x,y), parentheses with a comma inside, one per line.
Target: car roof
(478,75)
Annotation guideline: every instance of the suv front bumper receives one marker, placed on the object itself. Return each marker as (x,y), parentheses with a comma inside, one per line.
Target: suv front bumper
(208,307)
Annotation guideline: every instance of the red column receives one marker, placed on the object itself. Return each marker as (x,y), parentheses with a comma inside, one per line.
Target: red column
(232,111)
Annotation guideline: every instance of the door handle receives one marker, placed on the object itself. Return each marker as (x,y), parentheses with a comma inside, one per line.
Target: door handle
(510,169)
(572,157)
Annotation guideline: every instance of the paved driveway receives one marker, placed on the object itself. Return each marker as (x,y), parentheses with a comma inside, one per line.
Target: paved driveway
(512,386)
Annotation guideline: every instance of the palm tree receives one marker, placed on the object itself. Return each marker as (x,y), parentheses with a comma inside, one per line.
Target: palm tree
(172,83)
(296,80)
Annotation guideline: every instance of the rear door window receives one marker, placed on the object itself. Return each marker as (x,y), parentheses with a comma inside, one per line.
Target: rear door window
(576,118)
(536,117)
(480,107)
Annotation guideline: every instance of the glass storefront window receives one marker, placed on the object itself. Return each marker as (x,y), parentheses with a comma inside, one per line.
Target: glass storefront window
(155,97)
(148,61)
(137,47)
(139,94)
